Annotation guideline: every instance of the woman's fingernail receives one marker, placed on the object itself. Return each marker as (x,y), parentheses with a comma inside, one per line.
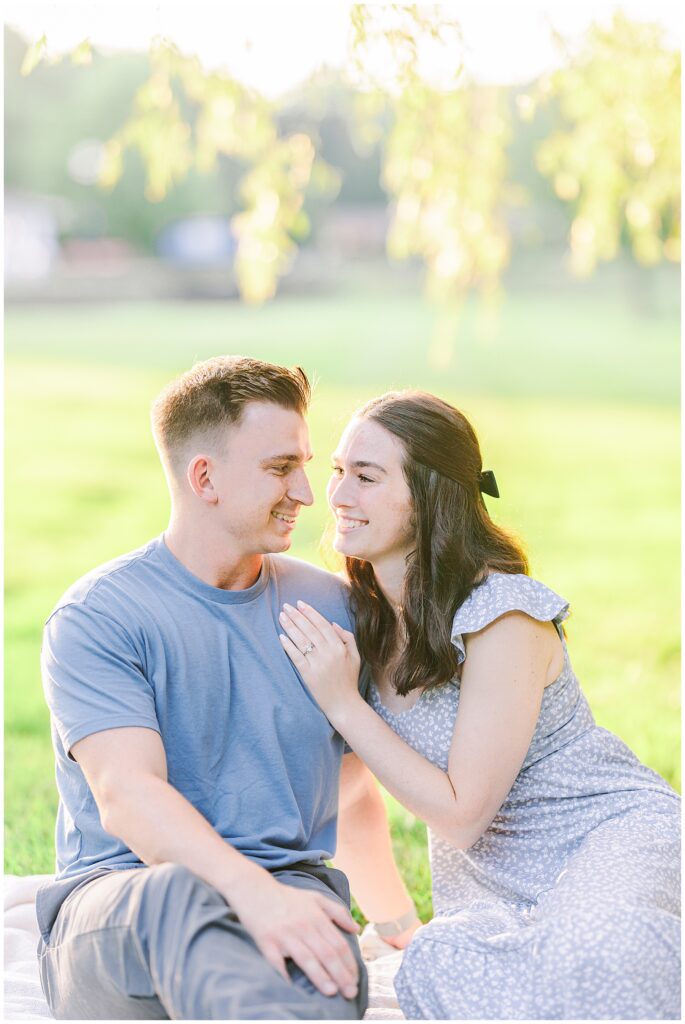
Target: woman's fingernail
(301,604)
(288,607)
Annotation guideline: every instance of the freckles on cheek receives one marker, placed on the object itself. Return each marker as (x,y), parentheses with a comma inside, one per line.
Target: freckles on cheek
(401,515)
(398,504)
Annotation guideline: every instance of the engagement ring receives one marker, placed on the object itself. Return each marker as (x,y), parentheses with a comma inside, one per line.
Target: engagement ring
(308,649)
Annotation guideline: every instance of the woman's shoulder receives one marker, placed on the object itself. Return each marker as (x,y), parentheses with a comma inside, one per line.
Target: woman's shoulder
(500,593)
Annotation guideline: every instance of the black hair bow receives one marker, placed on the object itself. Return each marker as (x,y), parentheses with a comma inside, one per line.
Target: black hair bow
(488,484)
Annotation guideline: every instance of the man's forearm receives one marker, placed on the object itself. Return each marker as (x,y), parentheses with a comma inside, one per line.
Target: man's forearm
(159,825)
(126,771)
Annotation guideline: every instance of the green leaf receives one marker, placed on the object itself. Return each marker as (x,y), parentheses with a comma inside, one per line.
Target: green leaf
(34,56)
(83,54)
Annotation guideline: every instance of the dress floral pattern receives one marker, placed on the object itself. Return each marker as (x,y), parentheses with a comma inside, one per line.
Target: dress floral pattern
(568,906)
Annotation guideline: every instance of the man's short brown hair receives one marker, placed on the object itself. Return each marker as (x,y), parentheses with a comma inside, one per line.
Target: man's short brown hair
(213,394)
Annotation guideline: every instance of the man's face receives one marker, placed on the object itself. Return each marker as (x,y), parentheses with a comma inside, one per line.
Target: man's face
(260,481)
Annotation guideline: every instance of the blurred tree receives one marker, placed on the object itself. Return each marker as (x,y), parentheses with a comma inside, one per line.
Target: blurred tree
(441,144)
(49,115)
(324,105)
(617,159)
(444,160)
(184,117)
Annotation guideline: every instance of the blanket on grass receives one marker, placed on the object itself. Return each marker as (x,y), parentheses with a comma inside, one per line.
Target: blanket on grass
(24,998)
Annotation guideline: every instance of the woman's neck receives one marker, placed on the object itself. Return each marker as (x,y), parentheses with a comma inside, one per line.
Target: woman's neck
(390,576)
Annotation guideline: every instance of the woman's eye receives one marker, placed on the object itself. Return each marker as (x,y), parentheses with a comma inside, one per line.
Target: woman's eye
(339,472)
(281,470)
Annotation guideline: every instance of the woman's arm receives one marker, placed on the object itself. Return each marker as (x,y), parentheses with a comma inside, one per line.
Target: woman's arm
(364,850)
(502,683)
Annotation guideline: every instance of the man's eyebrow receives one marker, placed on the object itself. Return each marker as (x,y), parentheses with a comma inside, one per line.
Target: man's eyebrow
(286,458)
(361,464)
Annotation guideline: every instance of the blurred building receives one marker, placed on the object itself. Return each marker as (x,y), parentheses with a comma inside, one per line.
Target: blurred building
(201,241)
(31,237)
(354,230)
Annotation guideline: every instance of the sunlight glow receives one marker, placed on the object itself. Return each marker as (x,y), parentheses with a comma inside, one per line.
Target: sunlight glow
(273,47)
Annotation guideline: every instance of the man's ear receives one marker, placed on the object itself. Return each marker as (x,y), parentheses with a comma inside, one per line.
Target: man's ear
(199,478)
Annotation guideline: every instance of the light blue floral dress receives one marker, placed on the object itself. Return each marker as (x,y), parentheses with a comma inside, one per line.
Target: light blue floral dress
(568,907)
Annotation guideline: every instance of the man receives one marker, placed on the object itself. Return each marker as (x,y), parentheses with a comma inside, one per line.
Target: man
(197,777)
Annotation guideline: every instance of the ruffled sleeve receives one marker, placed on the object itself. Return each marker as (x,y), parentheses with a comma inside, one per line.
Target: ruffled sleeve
(501,593)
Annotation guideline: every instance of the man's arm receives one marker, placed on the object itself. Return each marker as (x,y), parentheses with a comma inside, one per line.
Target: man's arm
(127,774)
(364,850)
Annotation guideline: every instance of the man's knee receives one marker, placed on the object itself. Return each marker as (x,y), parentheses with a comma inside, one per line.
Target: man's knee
(336,1007)
(332,1007)
(347,1009)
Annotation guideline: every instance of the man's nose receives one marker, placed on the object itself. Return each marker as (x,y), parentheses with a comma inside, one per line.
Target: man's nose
(299,489)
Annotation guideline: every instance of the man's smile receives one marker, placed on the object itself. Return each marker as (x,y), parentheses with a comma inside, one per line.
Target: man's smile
(285,518)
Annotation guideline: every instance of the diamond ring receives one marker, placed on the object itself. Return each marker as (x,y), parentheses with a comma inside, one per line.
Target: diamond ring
(308,649)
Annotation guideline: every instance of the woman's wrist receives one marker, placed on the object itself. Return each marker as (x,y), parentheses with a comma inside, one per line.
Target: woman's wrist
(402,940)
(344,714)
(399,925)
(400,931)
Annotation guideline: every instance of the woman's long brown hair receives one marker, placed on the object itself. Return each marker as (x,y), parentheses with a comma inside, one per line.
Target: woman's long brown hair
(457,543)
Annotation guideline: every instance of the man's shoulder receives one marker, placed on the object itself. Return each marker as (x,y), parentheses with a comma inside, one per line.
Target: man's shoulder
(120,573)
(290,569)
(300,581)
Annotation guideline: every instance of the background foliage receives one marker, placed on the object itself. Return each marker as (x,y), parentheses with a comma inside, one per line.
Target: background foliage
(613,154)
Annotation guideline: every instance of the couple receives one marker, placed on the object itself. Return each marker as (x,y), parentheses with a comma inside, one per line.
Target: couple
(212,730)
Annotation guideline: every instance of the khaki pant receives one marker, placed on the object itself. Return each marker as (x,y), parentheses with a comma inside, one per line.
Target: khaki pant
(159,943)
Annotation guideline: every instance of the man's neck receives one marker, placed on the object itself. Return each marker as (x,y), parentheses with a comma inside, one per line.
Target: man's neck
(210,559)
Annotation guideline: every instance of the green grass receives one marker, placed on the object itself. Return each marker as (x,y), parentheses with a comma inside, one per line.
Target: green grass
(584,344)
(575,404)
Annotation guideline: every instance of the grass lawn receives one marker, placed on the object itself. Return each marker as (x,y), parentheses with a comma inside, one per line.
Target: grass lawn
(575,404)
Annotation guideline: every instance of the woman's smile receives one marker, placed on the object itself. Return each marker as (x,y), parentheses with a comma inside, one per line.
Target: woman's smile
(346,524)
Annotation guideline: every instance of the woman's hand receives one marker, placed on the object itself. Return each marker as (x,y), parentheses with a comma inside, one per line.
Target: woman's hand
(330,666)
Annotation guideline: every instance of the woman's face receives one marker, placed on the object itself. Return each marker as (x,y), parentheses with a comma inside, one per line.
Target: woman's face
(369,496)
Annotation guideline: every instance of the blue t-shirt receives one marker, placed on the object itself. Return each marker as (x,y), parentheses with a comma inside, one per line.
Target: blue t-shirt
(141,641)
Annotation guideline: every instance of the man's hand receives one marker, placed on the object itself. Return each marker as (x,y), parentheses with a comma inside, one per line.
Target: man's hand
(303,926)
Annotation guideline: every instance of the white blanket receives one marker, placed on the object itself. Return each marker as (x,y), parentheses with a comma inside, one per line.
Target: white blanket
(24,997)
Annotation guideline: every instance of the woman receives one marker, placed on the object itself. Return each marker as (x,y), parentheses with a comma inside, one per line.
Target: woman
(554,851)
